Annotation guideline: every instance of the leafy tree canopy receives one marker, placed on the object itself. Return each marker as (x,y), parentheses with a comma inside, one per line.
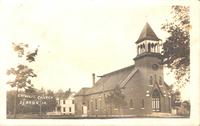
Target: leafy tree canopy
(22,73)
(116,97)
(63,94)
(176,48)
(31,108)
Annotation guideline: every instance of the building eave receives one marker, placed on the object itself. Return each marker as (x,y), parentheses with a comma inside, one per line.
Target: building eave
(150,54)
(147,34)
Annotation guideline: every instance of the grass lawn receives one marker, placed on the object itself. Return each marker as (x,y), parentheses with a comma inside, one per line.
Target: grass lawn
(43,116)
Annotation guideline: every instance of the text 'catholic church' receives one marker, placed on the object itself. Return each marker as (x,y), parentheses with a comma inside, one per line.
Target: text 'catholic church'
(141,84)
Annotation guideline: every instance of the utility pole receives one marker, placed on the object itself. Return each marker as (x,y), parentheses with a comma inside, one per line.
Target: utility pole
(40,109)
(42,95)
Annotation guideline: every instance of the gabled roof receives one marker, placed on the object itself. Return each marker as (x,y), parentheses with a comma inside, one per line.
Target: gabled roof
(147,34)
(109,81)
(82,91)
(64,95)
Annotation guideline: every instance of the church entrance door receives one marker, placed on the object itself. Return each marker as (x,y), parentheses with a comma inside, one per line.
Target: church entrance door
(156,101)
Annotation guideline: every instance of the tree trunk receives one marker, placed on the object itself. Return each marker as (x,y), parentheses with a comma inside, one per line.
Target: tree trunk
(15,103)
(111,109)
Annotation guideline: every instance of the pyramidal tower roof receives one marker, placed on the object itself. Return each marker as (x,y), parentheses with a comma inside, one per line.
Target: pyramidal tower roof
(147,34)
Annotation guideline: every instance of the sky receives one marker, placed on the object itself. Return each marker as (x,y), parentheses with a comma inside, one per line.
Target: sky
(76,38)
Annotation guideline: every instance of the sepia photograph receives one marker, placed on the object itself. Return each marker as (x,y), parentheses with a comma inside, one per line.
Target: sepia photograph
(97,62)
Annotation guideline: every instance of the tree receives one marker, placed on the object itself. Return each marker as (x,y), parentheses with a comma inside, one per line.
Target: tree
(22,76)
(51,103)
(116,98)
(28,105)
(63,94)
(175,99)
(176,48)
(67,92)
(43,101)
(22,73)
(20,49)
(186,105)
(10,102)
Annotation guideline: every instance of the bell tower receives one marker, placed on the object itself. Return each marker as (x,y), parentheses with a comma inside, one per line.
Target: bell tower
(150,71)
(148,57)
(148,44)
(147,41)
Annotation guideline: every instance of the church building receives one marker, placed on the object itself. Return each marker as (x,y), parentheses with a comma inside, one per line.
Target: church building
(142,85)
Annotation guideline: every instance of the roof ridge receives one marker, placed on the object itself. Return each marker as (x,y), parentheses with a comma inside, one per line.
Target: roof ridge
(147,33)
(124,82)
(117,70)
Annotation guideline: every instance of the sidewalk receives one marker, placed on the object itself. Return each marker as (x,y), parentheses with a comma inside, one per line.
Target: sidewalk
(165,115)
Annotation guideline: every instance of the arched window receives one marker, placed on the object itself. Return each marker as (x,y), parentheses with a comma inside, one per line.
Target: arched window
(143,46)
(155,48)
(88,105)
(92,106)
(131,103)
(96,104)
(151,80)
(149,47)
(100,104)
(160,80)
(156,101)
(152,45)
(156,82)
(142,103)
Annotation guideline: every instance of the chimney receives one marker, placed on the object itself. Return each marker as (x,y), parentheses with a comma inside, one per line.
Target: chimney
(93,79)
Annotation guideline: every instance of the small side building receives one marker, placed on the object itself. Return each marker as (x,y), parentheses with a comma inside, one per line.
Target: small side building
(65,105)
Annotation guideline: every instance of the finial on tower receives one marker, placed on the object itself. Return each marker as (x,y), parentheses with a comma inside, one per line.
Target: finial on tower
(146,18)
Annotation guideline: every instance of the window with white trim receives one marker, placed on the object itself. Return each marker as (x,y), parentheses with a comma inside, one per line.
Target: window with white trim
(96,107)
(142,103)
(160,80)
(151,80)
(131,104)
(156,101)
